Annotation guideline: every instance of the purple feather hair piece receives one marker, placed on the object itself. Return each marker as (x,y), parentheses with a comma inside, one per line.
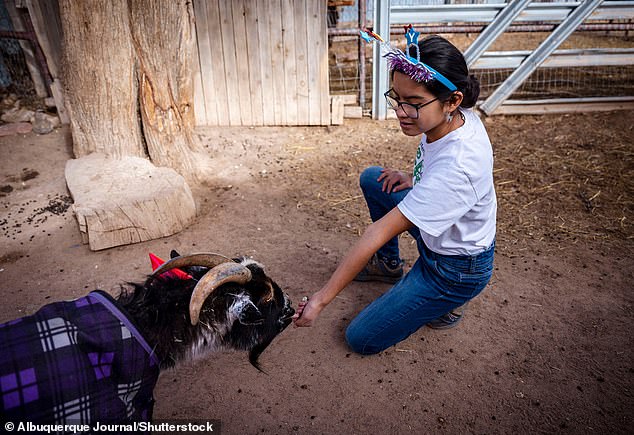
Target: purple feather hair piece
(417,72)
(397,60)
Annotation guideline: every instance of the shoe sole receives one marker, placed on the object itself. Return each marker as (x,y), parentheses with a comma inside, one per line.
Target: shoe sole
(445,326)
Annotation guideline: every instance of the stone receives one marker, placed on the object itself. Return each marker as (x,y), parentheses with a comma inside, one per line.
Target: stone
(15,128)
(43,123)
(17,115)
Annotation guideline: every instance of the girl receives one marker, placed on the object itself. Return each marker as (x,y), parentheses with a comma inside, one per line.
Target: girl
(448,205)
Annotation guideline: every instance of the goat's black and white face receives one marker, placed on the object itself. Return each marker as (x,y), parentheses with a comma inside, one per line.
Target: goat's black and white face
(256,311)
(227,304)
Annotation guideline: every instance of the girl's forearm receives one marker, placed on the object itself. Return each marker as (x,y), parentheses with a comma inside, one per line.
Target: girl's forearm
(354,261)
(375,236)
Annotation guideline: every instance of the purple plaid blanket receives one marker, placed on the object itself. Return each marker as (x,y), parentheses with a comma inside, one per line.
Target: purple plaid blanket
(76,362)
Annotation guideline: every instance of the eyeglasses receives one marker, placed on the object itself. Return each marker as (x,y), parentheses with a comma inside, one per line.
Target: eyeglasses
(411,110)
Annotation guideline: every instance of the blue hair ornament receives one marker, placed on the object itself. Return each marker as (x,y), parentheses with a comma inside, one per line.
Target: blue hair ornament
(412,66)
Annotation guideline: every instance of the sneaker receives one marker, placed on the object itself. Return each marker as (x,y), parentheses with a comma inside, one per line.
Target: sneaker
(383,270)
(449,320)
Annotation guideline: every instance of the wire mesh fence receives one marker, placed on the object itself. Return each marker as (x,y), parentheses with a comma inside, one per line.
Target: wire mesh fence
(14,74)
(569,82)
(544,83)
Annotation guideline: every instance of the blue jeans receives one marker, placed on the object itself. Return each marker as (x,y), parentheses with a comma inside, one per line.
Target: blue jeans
(435,285)
(380,204)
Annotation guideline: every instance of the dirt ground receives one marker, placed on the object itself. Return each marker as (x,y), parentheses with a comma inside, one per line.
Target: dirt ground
(546,348)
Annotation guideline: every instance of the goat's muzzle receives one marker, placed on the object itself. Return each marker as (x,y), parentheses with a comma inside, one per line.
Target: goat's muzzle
(286,316)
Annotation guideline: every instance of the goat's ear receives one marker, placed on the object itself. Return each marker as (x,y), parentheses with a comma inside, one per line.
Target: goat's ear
(250,315)
(174,254)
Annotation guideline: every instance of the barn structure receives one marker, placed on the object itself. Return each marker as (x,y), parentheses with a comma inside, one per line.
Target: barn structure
(266,62)
(261,62)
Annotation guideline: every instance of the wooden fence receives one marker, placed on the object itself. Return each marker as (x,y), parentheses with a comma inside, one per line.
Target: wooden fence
(262,62)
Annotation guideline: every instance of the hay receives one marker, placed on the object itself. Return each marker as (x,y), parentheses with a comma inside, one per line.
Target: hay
(560,179)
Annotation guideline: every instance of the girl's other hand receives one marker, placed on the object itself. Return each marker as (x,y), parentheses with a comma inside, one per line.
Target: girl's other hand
(394,181)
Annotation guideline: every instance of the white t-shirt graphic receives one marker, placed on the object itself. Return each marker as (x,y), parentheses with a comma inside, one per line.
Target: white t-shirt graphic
(453,200)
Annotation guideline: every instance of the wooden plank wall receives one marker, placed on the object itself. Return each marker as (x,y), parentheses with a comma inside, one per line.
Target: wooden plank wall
(262,62)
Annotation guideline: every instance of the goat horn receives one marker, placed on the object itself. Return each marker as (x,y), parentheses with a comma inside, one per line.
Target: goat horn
(219,275)
(208,259)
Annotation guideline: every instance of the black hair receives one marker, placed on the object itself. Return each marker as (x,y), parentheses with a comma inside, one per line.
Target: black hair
(445,58)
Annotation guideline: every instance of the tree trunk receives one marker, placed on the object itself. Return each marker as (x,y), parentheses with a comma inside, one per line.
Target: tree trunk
(128,79)
(163,37)
(99,78)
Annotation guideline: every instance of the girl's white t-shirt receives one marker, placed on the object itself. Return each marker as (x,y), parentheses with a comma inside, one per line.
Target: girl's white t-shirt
(453,200)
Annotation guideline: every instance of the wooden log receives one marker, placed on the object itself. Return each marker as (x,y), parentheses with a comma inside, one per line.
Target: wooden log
(164,44)
(129,200)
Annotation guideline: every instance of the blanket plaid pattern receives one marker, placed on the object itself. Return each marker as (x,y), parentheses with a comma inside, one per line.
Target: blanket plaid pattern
(76,362)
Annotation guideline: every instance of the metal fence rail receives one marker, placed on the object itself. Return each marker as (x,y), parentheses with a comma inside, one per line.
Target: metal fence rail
(559,58)
(566,18)
(608,10)
(539,55)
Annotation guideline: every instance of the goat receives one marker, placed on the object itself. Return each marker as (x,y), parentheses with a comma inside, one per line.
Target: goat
(97,359)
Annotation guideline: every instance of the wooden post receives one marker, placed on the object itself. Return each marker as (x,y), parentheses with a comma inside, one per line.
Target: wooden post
(336,110)
(31,63)
(45,18)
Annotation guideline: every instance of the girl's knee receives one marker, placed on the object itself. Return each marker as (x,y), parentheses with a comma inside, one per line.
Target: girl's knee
(359,343)
(369,176)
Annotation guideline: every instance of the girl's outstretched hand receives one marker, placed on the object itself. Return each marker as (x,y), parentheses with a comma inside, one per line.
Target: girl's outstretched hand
(306,312)
(394,181)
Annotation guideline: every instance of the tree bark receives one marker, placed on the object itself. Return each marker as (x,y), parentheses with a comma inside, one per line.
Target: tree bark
(129,80)
(99,78)
(163,38)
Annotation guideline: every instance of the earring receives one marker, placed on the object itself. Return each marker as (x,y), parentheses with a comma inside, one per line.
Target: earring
(449,117)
